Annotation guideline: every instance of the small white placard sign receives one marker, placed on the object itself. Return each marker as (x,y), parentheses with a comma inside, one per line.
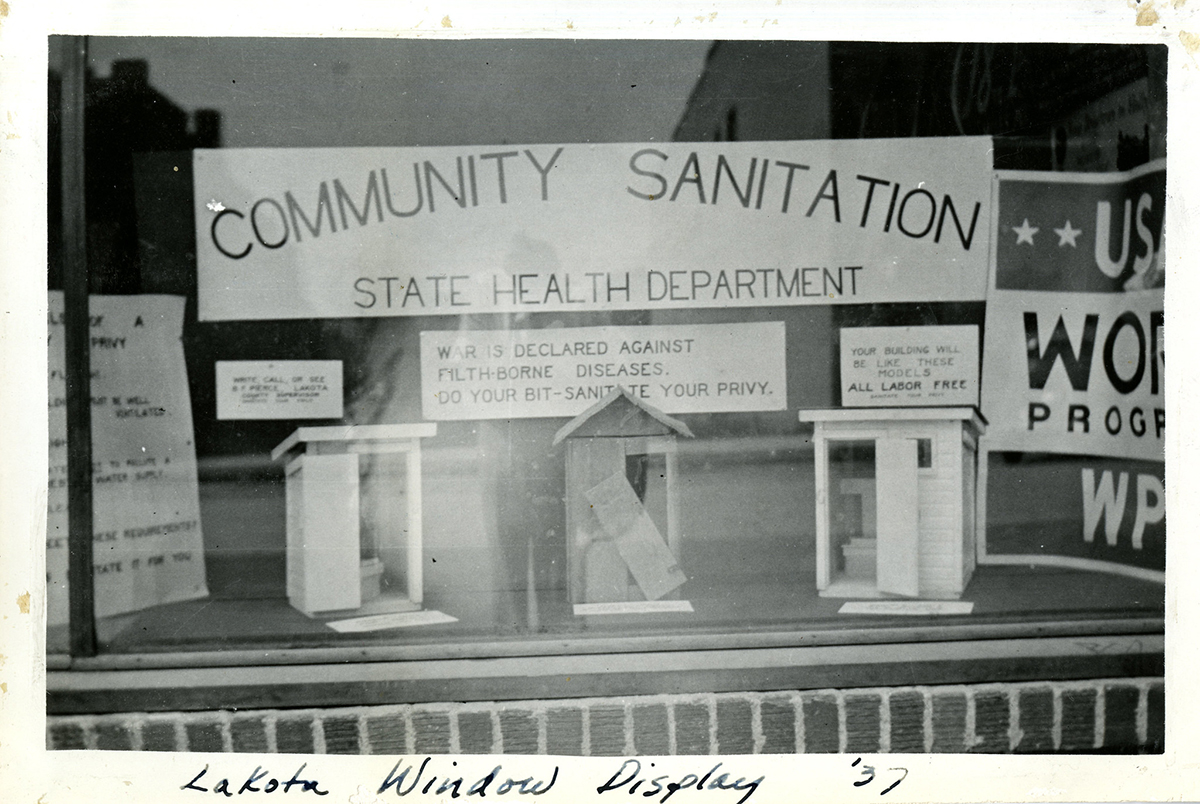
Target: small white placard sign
(907,607)
(910,366)
(280,389)
(382,622)
(634,607)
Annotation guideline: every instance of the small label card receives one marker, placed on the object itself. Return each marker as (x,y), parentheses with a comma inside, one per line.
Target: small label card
(633,607)
(383,622)
(909,607)
(281,389)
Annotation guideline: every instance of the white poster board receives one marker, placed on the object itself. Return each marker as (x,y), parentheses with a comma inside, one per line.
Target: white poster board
(359,232)
(147,544)
(910,366)
(279,389)
(696,368)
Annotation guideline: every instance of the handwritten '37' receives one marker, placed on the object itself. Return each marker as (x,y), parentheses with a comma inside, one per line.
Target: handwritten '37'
(869,772)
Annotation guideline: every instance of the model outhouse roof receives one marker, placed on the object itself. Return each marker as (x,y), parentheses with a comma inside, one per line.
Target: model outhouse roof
(352,432)
(969,415)
(621,415)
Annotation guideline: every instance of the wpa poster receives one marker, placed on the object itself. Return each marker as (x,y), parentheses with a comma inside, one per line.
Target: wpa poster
(1073,352)
(1073,368)
(147,545)
(354,232)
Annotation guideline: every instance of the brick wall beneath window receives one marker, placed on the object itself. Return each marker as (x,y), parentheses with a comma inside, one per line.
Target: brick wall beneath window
(1101,715)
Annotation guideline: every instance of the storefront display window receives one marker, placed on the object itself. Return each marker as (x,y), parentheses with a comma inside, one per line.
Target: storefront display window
(493,399)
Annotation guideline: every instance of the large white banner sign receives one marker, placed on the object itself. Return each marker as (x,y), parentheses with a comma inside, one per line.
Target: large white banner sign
(513,374)
(147,545)
(351,232)
(1073,346)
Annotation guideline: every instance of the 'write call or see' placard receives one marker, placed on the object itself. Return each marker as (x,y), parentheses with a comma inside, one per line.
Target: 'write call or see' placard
(902,366)
(281,389)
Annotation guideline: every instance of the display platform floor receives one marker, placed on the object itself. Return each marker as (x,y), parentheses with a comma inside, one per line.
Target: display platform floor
(748,552)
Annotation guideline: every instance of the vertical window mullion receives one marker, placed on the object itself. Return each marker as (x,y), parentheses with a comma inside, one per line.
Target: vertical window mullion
(78,352)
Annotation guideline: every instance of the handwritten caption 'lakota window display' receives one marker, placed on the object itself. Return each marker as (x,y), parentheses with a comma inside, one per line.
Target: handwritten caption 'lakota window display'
(898,366)
(355,232)
(147,544)
(504,374)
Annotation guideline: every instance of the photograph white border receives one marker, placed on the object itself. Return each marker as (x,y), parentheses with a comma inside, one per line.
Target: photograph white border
(29,773)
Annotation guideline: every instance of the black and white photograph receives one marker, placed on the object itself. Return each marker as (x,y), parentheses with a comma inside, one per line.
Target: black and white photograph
(589,417)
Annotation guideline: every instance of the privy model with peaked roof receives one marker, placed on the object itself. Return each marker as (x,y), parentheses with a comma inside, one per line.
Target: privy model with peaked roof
(615,550)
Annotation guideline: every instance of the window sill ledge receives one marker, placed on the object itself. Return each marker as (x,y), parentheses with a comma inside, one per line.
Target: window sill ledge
(91,687)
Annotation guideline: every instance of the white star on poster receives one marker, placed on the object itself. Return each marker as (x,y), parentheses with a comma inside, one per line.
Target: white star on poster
(1025,232)
(1067,235)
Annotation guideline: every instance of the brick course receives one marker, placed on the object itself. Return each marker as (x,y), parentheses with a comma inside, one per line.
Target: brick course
(341,735)
(778,725)
(691,729)
(821,724)
(474,733)
(606,729)
(564,731)
(159,736)
(1036,722)
(388,733)
(249,735)
(1120,715)
(651,736)
(1155,719)
(206,737)
(113,737)
(1078,719)
(66,736)
(863,718)
(432,732)
(1025,717)
(735,730)
(907,712)
(294,736)
(991,722)
(949,722)
(520,730)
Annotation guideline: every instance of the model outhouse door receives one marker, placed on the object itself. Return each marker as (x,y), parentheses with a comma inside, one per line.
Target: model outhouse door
(896,550)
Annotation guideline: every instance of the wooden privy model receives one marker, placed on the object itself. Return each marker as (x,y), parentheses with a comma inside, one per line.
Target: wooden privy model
(621,469)
(329,569)
(895,500)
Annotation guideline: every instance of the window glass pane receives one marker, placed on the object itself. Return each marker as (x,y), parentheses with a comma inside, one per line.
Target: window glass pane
(925,453)
(281,480)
